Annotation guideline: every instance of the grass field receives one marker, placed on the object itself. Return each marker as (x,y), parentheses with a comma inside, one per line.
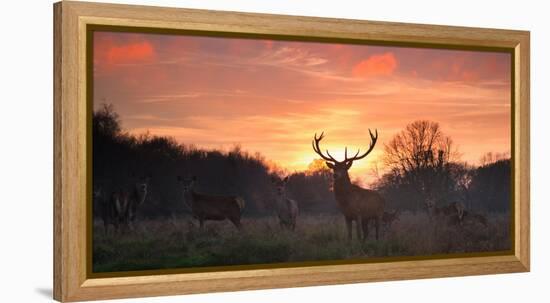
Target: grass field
(179,243)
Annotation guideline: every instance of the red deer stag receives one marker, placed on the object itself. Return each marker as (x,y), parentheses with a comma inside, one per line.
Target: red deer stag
(209,207)
(357,204)
(287,209)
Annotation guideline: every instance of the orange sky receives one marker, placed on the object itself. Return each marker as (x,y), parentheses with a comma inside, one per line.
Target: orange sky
(272,96)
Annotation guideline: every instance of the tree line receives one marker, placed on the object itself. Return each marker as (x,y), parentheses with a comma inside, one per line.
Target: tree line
(421,162)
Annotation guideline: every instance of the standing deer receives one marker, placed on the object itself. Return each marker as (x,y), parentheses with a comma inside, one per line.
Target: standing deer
(389,217)
(121,207)
(102,203)
(357,204)
(115,210)
(287,209)
(136,196)
(209,207)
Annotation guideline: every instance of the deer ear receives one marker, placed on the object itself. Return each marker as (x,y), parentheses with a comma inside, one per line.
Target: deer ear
(330,165)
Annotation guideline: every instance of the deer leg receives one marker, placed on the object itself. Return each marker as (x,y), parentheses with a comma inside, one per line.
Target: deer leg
(358,227)
(105,226)
(130,224)
(201,223)
(365,225)
(377,226)
(236,222)
(348,226)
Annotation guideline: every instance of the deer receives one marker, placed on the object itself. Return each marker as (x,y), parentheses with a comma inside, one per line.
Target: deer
(136,197)
(469,218)
(473,218)
(452,209)
(115,210)
(389,217)
(455,213)
(210,207)
(100,201)
(287,209)
(356,203)
(120,209)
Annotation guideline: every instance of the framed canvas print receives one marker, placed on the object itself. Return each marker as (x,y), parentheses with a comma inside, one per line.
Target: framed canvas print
(201,151)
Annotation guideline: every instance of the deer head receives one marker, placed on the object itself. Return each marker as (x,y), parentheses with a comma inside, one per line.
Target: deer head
(429,204)
(187,184)
(280,184)
(97,193)
(340,168)
(140,183)
(141,186)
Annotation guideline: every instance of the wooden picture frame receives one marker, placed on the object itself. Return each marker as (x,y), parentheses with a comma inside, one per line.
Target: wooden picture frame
(72,281)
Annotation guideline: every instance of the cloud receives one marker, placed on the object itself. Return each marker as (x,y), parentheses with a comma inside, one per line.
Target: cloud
(291,56)
(376,65)
(139,52)
(272,96)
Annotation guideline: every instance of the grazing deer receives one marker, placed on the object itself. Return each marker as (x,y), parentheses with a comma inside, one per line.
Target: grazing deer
(453,209)
(389,217)
(287,209)
(476,218)
(209,207)
(456,214)
(356,203)
(471,218)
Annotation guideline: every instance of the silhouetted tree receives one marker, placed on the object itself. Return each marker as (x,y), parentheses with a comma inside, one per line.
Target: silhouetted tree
(490,187)
(419,159)
(119,157)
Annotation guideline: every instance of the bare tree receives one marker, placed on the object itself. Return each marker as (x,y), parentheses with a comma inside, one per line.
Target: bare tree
(420,155)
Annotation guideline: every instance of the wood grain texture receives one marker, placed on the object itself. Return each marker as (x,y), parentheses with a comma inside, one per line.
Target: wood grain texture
(57,195)
(522,139)
(70,148)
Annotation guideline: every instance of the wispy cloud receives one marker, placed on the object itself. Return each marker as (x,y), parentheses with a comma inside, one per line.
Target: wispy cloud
(272,96)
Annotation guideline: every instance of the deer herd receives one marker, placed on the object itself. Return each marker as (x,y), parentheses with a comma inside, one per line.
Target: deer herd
(358,205)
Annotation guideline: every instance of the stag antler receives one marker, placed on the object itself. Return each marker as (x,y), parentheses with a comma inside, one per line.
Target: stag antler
(330,158)
(315,145)
(373,139)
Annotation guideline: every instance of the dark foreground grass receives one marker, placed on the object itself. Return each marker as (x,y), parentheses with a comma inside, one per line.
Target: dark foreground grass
(179,243)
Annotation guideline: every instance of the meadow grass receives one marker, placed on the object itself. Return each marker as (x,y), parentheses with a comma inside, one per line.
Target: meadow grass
(179,243)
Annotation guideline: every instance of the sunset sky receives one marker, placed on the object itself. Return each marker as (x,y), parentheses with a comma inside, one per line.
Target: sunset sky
(272,96)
